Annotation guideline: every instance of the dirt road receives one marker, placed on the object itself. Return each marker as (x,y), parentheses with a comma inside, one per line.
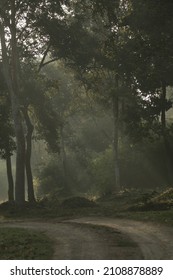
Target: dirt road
(125,239)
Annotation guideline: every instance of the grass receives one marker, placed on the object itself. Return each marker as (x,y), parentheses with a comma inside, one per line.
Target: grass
(21,244)
(48,211)
(163,217)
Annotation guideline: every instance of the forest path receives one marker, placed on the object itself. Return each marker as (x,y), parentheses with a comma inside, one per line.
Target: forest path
(154,240)
(81,239)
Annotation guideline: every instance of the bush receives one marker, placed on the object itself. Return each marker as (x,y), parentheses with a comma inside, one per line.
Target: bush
(78,201)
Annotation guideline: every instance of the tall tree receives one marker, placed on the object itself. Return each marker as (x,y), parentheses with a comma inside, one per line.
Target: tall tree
(11,75)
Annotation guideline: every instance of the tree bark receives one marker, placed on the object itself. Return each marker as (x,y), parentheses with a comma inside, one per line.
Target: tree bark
(115,101)
(10,178)
(30,128)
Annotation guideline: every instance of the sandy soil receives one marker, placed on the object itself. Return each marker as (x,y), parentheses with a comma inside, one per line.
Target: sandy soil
(125,239)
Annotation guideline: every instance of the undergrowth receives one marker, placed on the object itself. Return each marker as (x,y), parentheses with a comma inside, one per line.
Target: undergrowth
(21,244)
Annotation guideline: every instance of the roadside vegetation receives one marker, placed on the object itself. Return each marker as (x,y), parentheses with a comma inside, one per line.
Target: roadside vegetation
(153,206)
(21,244)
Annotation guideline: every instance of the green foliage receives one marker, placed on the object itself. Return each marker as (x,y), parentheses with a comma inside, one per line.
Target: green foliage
(50,178)
(162,217)
(37,98)
(75,202)
(90,161)
(21,244)
(152,41)
(155,201)
(103,172)
(142,166)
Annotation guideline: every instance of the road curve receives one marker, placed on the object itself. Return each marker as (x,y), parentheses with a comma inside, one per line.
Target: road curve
(76,242)
(155,241)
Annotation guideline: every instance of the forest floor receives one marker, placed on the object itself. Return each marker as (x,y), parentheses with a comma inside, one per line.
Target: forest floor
(103,238)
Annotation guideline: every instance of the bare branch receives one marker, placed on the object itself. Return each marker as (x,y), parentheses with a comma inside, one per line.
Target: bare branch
(42,63)
(50,61)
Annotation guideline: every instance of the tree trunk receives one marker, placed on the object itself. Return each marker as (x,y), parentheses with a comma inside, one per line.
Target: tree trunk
(163,107)
(20,139)
(167,147)
(10,178)
(30,128)
(115,101)
(64,161)
(11,80)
